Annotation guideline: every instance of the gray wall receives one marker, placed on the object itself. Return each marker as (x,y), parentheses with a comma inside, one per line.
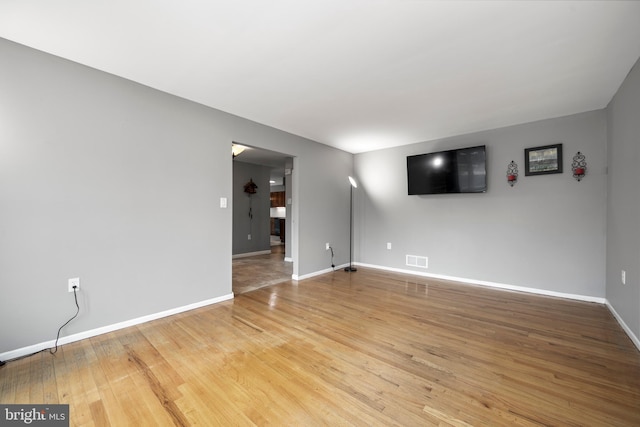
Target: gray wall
(120,185)
(623,204)
(287,224)
(259,225)
(547,232)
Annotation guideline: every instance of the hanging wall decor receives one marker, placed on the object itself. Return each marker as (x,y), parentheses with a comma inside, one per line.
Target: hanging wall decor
(250,187)
(543,160)
(512,173)
(579,166)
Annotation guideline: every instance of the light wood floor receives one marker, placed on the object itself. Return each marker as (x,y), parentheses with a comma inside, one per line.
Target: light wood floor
(364,348)
(255,272)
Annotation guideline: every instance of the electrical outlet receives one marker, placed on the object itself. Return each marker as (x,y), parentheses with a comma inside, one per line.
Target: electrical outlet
(327,246)
(74,282)
(623,277)
(388,245)
(248,236)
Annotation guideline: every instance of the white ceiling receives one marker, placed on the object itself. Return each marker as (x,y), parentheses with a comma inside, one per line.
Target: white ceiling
(355,74)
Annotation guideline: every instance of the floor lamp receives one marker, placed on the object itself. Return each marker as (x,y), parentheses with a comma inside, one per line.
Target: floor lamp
(351,268)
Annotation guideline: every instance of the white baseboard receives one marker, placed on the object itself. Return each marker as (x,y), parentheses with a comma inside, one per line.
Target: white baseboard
(495,285)
(247,254)
(288,259)
(490,284)
(318,273)
(626,328)
(110,328)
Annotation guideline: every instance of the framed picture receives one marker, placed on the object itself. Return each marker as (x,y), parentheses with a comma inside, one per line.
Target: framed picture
(543,160)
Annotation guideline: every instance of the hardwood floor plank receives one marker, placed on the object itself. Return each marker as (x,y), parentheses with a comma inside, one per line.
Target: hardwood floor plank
(79,382)
(99,414)
(111,409)
(366,348)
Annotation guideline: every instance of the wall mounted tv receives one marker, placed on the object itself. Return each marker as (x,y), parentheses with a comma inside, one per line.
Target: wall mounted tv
(452,171)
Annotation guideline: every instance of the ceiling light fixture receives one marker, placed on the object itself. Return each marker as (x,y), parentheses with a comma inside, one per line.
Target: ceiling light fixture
(237,149)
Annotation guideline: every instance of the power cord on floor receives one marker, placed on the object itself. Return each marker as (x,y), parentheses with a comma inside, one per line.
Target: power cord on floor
(54,349)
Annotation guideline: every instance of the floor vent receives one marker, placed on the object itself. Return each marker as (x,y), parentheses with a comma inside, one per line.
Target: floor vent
(417,261)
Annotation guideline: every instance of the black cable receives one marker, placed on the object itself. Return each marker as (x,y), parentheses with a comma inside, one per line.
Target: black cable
(75,296)
(52,350)
(333,266)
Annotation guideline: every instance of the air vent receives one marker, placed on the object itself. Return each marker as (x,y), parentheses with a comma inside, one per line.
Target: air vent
(417,261)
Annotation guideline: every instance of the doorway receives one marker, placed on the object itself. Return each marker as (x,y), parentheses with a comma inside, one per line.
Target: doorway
(263,236)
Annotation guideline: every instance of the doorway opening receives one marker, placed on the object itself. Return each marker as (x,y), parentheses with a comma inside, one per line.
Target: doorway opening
(264,238)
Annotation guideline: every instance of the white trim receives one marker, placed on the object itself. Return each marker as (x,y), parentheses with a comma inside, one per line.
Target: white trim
(318,273)
(491,284)
(247,254)
(288,259)
(626,328)
(110,328)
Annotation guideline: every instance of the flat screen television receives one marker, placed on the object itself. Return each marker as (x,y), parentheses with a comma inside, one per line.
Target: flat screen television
(453,171)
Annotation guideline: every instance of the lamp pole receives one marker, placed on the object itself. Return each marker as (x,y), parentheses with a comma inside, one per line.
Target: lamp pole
(354,184)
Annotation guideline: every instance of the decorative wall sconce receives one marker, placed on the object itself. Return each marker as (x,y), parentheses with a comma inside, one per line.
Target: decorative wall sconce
(512,173)
(579,166)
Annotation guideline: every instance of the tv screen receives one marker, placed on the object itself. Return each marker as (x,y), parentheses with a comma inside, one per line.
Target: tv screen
(452,171)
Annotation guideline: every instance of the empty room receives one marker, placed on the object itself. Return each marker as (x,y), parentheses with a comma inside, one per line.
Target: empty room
(319,213)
